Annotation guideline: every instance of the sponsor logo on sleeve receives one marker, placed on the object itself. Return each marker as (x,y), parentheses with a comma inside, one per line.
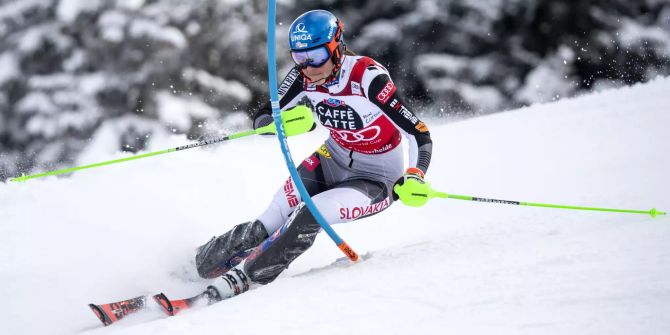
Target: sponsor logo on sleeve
(395,104)
(386,92)
(288,81)
(408,115)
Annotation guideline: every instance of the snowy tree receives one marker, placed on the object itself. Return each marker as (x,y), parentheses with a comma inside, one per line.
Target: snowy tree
(68,67)
(73,72)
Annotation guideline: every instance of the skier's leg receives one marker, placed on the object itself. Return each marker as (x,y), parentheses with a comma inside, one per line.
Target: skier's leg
(222,253)
(274,255)
(287,197)
(347,202)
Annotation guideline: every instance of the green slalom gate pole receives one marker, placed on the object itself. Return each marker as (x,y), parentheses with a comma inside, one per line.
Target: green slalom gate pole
(415,194)
(296,121)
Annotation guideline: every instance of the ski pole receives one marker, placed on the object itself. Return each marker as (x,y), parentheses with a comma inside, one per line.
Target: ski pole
(296,121)
(274,102)
(415,194)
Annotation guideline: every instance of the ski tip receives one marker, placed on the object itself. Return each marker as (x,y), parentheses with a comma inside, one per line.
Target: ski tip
(165,304)
(113,312)
(102,316)
(173,307)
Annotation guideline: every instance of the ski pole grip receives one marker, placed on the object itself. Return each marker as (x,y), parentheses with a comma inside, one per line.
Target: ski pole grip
(297,120)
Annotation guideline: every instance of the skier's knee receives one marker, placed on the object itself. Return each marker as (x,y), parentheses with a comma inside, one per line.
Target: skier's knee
(276,253)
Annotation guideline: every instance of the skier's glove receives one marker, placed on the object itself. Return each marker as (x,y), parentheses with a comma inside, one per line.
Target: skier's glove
(299,113)
(263,120)
(411,189)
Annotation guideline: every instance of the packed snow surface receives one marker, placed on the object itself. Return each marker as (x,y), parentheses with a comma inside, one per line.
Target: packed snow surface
(452,266)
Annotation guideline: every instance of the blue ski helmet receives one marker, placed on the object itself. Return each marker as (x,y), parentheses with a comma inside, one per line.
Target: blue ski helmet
(316,36)
(312,29)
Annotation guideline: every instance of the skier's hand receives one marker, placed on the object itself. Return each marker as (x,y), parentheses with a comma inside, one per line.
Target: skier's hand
(411,189)
(297,120)
(263,120)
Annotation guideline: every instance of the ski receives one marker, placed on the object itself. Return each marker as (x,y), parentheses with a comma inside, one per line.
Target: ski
(233,284)
(115,311)
(172,307)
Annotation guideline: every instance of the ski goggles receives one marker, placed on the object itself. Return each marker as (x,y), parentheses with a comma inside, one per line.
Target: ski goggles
(313,57)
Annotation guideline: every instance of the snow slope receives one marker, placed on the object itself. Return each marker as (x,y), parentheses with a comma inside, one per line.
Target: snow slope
(450,267)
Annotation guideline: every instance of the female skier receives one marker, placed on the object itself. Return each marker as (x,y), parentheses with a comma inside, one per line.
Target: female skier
(349,177)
